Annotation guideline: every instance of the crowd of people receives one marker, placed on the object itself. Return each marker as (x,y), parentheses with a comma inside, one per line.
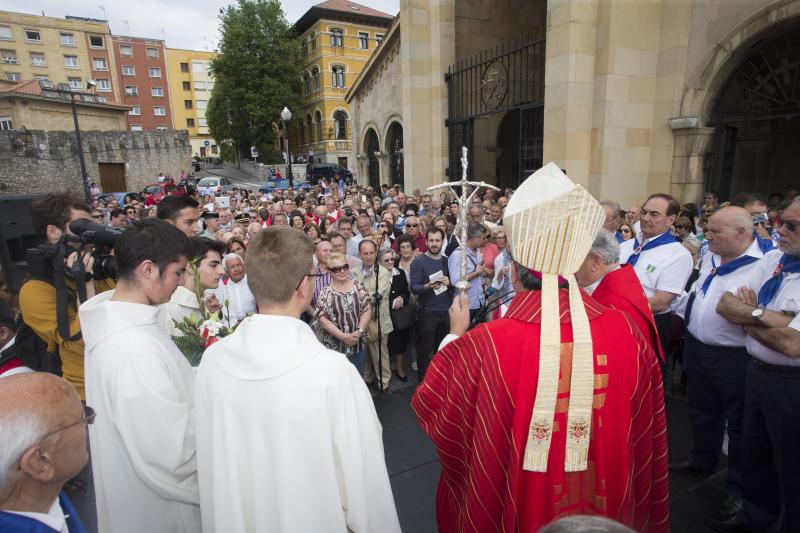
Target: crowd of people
(707,297)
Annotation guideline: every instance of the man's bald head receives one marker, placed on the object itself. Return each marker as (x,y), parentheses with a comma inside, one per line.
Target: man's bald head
(729,232)
(32,405)
(736,217)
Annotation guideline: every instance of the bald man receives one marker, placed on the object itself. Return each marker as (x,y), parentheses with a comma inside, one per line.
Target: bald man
(42,446)
(715,356)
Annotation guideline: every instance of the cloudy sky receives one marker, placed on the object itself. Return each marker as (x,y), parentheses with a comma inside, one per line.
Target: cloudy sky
(182,23)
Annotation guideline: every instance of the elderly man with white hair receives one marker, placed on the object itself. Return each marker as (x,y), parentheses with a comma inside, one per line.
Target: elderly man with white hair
(42,446)
(233,293)
(252,230)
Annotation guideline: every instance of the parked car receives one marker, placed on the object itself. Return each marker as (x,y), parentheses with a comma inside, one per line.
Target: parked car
(327,171)
(214,185)
(195,165)
(119,196)
(155,192)
(283,183)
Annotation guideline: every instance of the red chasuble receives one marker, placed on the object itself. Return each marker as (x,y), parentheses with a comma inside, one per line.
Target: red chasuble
(476,403)
(621,289)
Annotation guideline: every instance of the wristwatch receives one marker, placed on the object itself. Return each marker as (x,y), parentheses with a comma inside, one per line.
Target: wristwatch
(757,313)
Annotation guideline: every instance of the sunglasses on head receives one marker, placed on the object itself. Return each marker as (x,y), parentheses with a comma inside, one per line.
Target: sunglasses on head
(791,225)
(342,268)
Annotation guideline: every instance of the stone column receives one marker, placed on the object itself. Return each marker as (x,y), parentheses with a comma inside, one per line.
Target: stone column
(569,85)
(692,145)
(427,49)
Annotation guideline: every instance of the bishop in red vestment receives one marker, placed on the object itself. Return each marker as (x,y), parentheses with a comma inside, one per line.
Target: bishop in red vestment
(476,403)
(557,408)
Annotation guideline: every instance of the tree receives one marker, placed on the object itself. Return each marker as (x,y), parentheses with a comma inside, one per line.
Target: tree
(258,72)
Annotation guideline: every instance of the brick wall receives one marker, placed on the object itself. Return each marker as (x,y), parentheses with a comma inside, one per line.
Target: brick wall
(36,161)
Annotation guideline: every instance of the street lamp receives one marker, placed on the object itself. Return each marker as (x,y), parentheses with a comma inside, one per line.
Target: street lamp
(67,91)
(286,116)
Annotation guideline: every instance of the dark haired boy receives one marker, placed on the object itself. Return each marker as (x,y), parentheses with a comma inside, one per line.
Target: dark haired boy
(143,444)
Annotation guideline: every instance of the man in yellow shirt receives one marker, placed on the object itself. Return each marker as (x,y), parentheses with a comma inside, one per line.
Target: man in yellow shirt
(37,298)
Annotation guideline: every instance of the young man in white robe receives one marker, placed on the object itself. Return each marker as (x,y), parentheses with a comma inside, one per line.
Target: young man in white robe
(207,259)
(142,388)
(287,435)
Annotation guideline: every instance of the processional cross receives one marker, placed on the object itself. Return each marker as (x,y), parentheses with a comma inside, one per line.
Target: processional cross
(463,204)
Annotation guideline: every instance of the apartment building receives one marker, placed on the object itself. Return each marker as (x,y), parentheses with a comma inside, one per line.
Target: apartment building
(71,50)
(338,37)
(190,88)
(142,71)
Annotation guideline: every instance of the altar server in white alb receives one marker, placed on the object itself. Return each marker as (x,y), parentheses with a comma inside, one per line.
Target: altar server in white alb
(142,388)
(287,435)
(660,261)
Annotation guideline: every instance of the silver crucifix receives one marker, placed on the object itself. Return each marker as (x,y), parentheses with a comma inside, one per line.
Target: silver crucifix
(463,204)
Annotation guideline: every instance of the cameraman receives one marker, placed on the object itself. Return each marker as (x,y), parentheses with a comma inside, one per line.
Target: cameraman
(37,298)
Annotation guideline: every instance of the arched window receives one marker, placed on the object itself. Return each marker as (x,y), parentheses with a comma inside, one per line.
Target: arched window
(310,129)
(318,120)
(315,74)
(337,73)
(340,122)
(307,83)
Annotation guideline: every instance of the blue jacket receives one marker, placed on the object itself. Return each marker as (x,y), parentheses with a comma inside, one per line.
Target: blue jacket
(14,523)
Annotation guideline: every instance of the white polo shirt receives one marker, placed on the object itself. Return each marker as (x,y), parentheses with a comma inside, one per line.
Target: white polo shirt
(664,268)
(786,301)
(705,324)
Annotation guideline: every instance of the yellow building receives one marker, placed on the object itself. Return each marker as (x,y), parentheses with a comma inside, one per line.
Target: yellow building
(190,87)
(338,37)
(70,50)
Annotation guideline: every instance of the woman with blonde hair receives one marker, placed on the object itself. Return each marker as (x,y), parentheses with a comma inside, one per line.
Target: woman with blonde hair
(343,311)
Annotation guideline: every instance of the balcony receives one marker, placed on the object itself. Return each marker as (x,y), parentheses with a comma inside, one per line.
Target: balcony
(323,147)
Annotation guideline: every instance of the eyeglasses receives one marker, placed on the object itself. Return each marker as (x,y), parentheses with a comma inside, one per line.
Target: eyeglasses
(88,418)
(412,225)
(383,225)
(98,217)
(342,268)
(625,230)
(791,225)
(679,227)
(303,279)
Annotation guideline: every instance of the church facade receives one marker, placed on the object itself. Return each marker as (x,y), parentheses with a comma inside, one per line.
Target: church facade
(629,98)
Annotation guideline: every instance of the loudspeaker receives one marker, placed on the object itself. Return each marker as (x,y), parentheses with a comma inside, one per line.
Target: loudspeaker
(16,236)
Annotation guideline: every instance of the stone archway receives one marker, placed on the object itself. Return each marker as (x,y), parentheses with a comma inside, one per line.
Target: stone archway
(394,147)
(757,121)
(696,143)
(372,147)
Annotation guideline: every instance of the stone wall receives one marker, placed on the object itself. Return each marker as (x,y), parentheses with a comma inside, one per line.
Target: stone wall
(377,104)
(36,161)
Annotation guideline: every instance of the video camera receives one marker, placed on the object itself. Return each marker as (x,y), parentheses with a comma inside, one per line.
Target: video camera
(41,259)
(22,254)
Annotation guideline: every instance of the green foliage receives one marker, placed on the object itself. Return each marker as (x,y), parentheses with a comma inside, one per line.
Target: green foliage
(258,72)
(227,152)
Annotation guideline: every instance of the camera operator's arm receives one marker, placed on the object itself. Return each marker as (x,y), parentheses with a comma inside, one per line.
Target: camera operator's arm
(88,264)
(37,300)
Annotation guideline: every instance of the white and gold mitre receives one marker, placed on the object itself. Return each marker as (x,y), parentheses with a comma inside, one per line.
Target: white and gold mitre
(550,226)
(551,223)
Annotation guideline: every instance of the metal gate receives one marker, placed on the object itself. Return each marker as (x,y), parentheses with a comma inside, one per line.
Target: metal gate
(496,81)
(373,165)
